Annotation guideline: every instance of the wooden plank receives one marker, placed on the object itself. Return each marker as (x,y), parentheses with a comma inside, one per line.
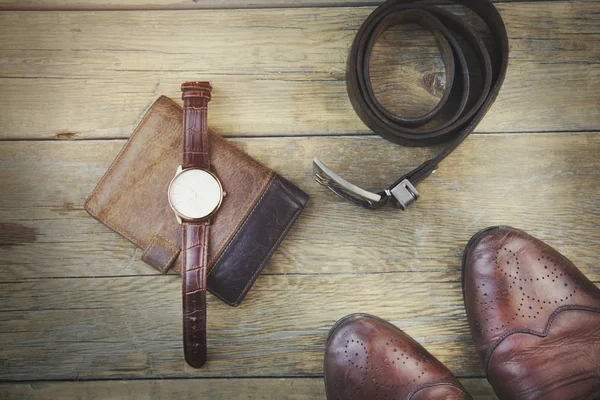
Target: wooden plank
(275,71)
(247,389)
(130,327)
(545,184)
(182,4)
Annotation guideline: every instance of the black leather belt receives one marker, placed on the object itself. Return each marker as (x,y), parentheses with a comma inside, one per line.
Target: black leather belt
(461,108)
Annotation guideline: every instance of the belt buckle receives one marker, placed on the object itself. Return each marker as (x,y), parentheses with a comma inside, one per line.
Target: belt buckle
(402,195)
(347,190)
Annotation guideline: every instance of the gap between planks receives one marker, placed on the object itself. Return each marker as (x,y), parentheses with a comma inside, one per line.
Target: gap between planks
(170,5)
(217,388)
(107,72)
(299,136)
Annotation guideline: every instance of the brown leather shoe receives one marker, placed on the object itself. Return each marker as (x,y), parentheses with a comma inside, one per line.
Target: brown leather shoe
(369,358)
(535,318)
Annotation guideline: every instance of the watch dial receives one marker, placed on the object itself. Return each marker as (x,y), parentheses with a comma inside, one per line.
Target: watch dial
(195,194)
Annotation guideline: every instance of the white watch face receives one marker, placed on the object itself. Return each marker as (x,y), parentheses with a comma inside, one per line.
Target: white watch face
(195,194)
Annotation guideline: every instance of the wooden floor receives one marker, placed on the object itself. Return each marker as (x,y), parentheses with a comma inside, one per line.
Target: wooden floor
(82,317)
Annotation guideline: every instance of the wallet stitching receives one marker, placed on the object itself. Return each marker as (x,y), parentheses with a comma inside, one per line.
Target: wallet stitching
(169,262)
(221,251)
(269,254)
(128,235)
(101,215)
(125,234)
(233,147)
(164,242)
(252,160)
(122,231)
(145,253)
(223,299)
(291,195)
(164,266)
(122,152)
(154,240)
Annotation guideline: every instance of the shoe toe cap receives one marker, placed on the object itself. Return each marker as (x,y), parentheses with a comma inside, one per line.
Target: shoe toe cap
(366,357)
(513,281)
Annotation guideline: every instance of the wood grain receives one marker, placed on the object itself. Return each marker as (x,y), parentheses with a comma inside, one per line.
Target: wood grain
(490,180)
(192,389)
(77,304)
(101,318)
(179,4)
(278,71)
(130,327)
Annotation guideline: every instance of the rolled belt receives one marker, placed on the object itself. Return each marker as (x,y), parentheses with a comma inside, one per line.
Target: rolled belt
(462,106)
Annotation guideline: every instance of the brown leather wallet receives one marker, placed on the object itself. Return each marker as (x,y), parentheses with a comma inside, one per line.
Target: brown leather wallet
(131,199)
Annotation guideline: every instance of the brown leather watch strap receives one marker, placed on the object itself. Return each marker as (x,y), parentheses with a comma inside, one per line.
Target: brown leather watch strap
(194,260)
(196,96)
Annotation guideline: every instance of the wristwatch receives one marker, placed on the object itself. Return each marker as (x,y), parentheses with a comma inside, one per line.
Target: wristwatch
(195,195)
